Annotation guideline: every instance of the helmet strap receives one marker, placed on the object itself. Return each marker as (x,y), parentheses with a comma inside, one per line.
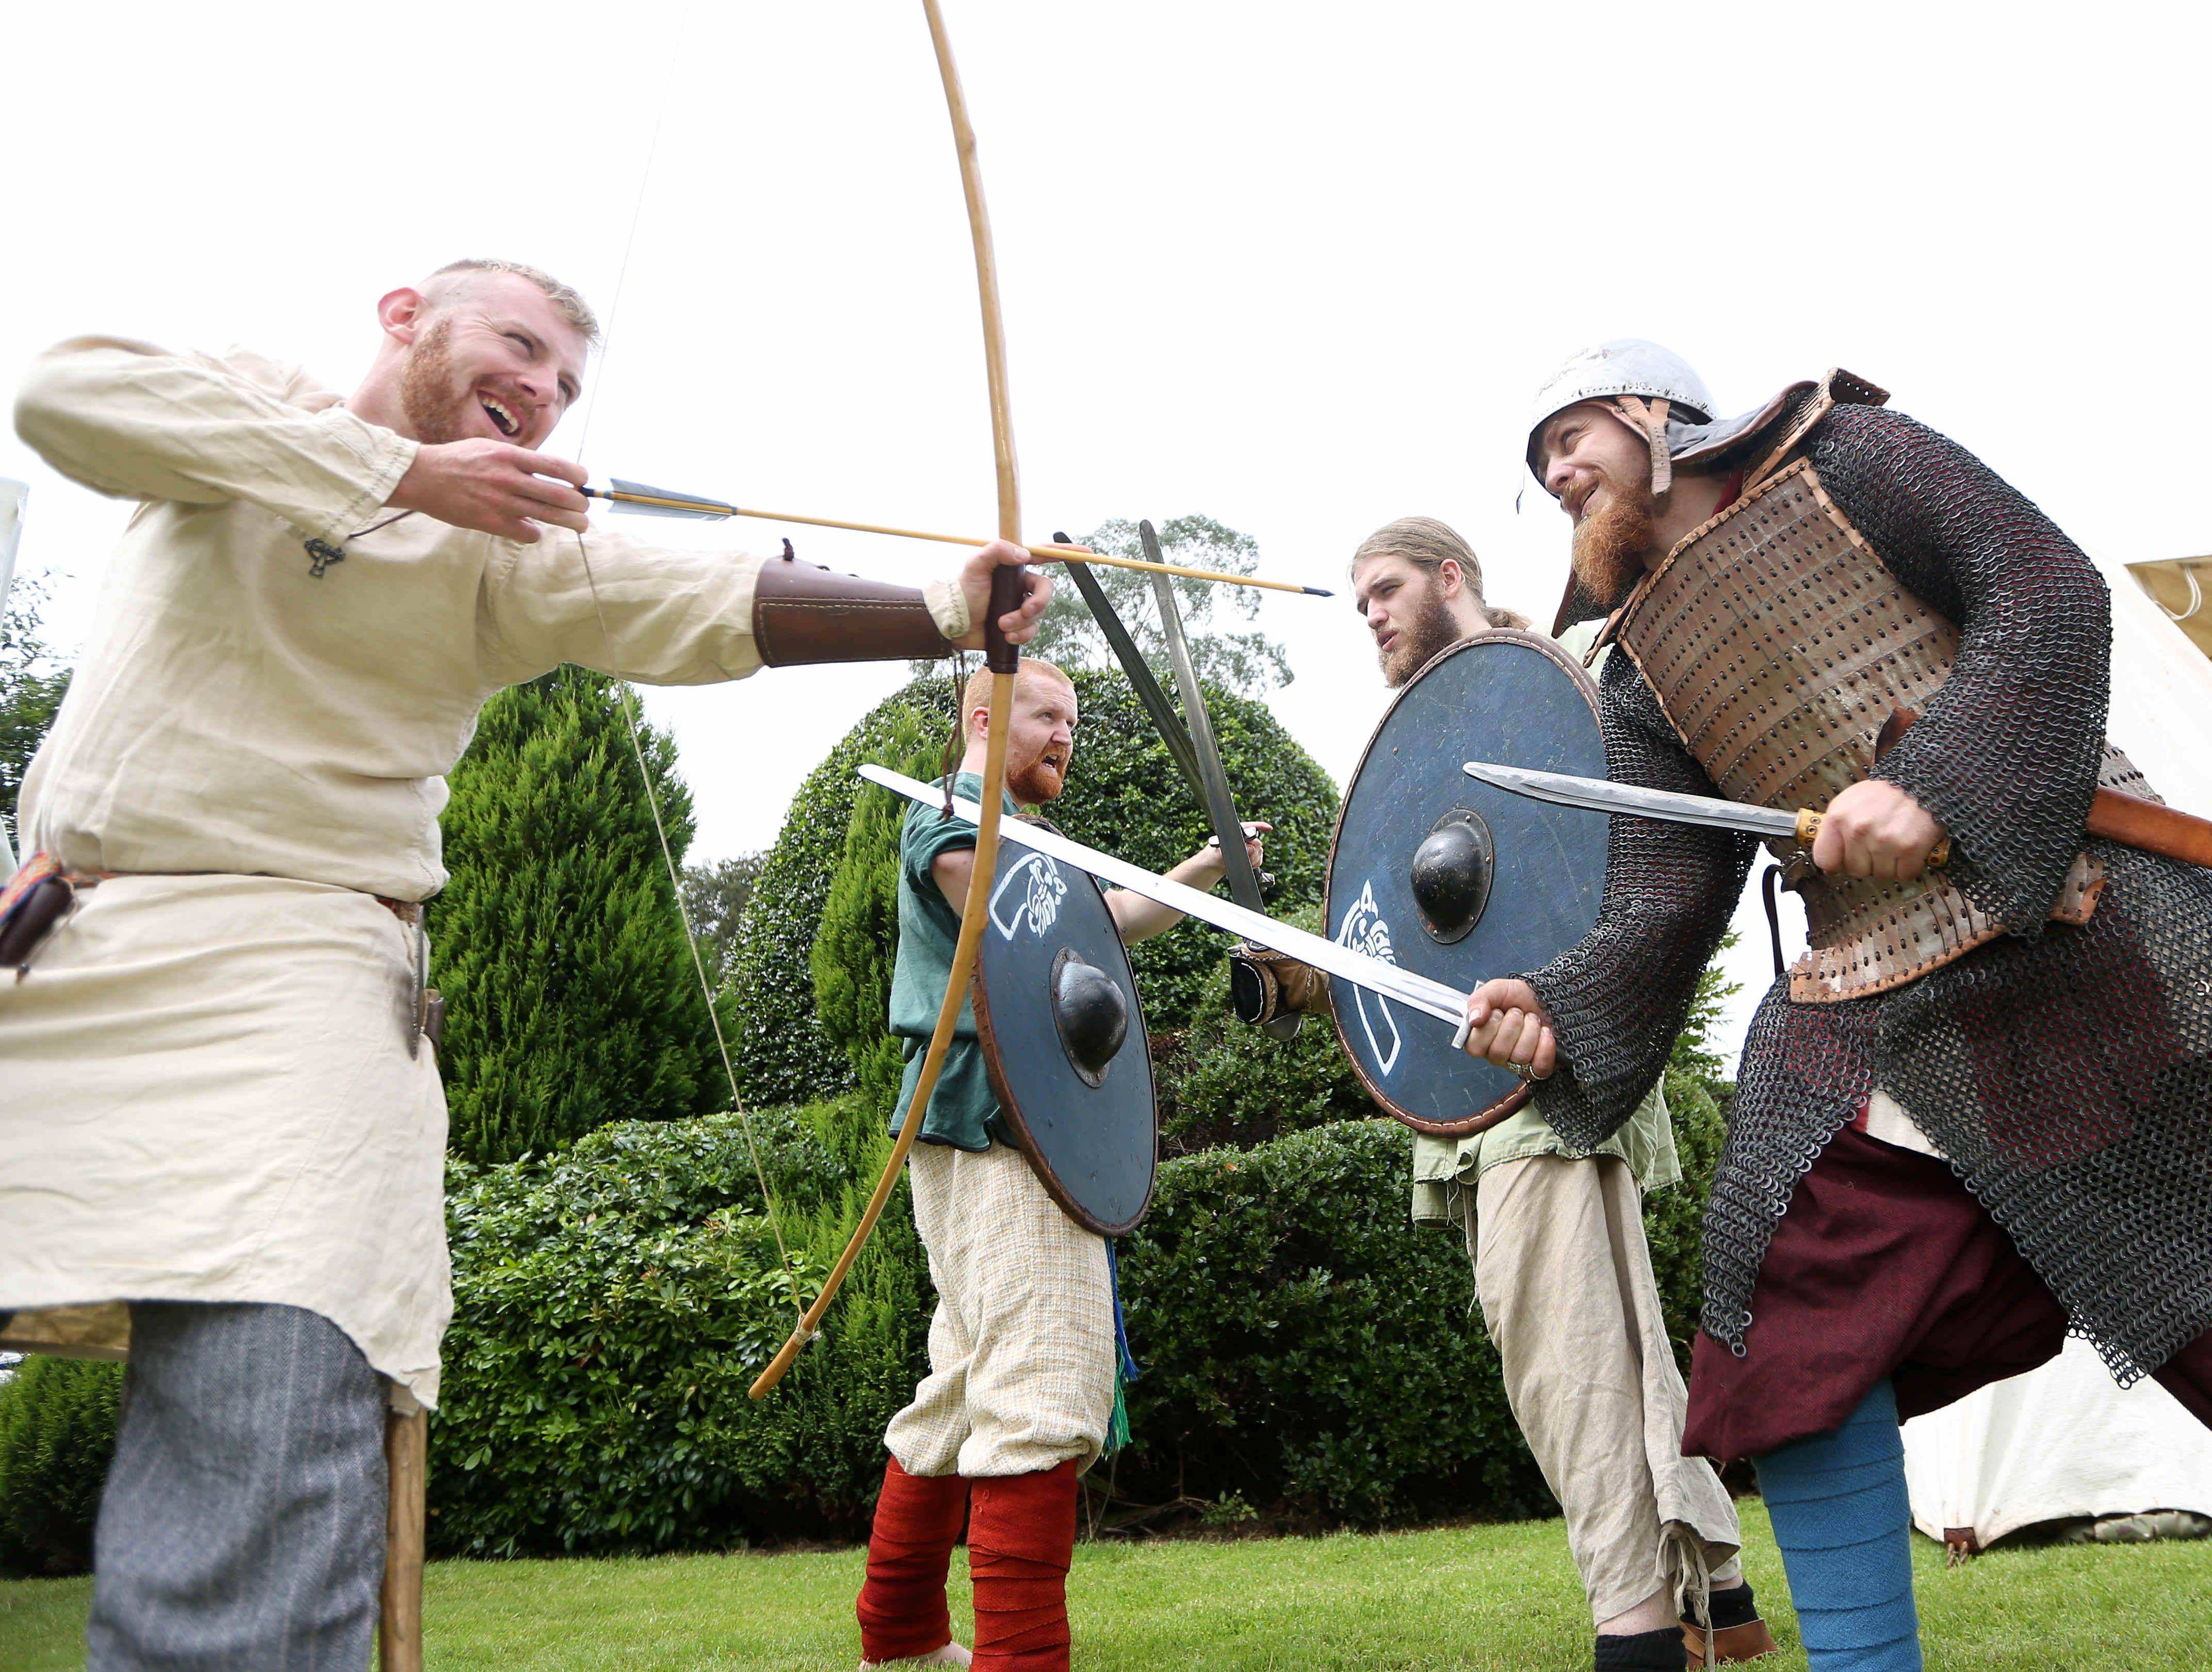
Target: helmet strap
(1649,420)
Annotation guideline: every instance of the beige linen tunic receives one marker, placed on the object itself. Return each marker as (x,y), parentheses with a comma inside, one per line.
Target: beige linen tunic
(208,1090)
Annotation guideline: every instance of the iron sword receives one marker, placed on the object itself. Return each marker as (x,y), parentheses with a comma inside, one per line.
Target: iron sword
(1602,795)
(1416,992)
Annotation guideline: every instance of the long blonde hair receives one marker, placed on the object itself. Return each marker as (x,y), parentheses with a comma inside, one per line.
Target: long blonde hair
(1424,543)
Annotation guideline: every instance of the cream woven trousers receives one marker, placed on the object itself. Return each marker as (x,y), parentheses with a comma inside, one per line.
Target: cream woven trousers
(1564,1277)
(1021,1350)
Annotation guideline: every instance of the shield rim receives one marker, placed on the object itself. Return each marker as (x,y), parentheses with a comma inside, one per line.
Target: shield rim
(1024,1140)
(1482,1120)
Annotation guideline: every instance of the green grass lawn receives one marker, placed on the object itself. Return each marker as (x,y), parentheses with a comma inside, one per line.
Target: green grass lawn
(1469,1597)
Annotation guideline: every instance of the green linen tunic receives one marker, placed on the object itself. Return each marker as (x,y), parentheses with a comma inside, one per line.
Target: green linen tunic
(962,1113)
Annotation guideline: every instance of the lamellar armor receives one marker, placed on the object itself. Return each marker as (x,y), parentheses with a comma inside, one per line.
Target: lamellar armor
(2038,1006)
(1785,654)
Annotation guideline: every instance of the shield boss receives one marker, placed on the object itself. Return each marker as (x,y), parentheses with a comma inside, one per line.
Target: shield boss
(1454,879)
(1064,1040)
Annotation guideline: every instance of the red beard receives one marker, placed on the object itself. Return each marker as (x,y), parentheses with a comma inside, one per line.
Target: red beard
(1610,547)
(1033,783)
(435,410)
(1432,631)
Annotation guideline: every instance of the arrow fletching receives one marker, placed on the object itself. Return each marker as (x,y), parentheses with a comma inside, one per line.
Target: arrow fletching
(640,501)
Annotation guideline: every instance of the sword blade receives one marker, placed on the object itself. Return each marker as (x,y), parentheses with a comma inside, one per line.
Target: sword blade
(1416,992)
(1213,778)
(1600,794)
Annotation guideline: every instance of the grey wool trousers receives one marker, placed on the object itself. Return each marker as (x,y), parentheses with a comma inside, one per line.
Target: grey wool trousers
(242,1527)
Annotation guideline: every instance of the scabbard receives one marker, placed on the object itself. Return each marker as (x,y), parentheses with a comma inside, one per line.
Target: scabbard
(2154,828)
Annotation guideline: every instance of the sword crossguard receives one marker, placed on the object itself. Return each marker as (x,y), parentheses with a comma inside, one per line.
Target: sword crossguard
(1808,831)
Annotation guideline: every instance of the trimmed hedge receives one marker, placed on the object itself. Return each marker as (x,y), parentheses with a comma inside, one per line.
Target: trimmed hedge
(612,1304)
(56,1434)
(1307,1351)
(1304,1348)
(1221,1082)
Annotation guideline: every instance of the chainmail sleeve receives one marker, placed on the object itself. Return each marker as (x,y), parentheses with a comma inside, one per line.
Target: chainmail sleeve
(1621,995)
(2006,756)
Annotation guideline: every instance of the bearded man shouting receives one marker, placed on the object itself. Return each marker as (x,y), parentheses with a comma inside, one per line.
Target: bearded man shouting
(1975,1115)
(1022,1346)
(218,1109)
(1561,1269)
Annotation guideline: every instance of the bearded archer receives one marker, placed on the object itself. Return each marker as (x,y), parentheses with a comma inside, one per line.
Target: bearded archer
(221,1128)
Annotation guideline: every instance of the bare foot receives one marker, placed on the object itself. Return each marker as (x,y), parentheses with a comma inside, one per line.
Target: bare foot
(951,1654)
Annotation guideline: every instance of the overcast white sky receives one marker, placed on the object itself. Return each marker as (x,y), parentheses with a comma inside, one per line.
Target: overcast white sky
(1298,267)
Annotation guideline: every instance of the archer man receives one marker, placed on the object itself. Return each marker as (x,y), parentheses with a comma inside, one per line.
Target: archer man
(1024,1346)
(221,1130)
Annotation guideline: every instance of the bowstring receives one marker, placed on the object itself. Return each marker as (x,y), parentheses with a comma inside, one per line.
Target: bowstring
(637,745)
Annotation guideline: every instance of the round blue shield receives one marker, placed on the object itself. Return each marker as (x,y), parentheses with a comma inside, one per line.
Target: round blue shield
(1458,880)
(1064,1040)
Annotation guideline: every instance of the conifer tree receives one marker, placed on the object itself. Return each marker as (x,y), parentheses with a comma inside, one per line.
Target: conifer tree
(571,999)
(855,948)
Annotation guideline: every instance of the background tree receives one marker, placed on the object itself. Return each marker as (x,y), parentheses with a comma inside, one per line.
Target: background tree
(570,995)
(715,897)
(1247,663)
(857,944)
(32,686)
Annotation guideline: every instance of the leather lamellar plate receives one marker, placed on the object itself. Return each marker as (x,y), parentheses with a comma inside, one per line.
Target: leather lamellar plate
(1779,645)
(1064,1040)
(1460,880)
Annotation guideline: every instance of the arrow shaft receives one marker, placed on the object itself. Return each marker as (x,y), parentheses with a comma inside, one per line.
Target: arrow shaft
(718,508)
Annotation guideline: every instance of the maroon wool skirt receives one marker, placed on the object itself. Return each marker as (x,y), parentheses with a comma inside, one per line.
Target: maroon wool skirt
(1884,1266)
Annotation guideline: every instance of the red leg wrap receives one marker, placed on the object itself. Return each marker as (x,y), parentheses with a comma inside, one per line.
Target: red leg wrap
(1020,1542)
(901,1607)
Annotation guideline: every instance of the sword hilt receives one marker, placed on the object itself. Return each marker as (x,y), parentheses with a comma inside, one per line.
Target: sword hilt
(1808,831)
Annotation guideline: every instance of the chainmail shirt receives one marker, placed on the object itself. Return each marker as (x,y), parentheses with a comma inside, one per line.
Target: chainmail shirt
(2065,1071)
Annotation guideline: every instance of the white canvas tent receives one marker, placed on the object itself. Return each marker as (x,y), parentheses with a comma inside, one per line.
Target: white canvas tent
(2063,1442)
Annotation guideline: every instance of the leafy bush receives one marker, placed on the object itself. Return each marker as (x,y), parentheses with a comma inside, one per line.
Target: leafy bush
(56,1434)
(1125,794)
(571,996)
(613,1303)
(1306,1350)
(1304,1347)
(1221,1082)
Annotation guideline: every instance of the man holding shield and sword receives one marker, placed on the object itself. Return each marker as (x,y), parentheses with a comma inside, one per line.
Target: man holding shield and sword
(1023,1344)
(1974,1116)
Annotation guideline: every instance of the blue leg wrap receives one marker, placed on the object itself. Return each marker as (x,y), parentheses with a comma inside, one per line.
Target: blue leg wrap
(1843,1525)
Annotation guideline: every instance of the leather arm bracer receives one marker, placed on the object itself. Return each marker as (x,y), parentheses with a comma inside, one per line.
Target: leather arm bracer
(1266,984)
(804,613)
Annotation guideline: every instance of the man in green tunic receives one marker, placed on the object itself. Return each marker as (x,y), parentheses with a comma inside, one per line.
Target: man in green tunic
(1020,1387)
